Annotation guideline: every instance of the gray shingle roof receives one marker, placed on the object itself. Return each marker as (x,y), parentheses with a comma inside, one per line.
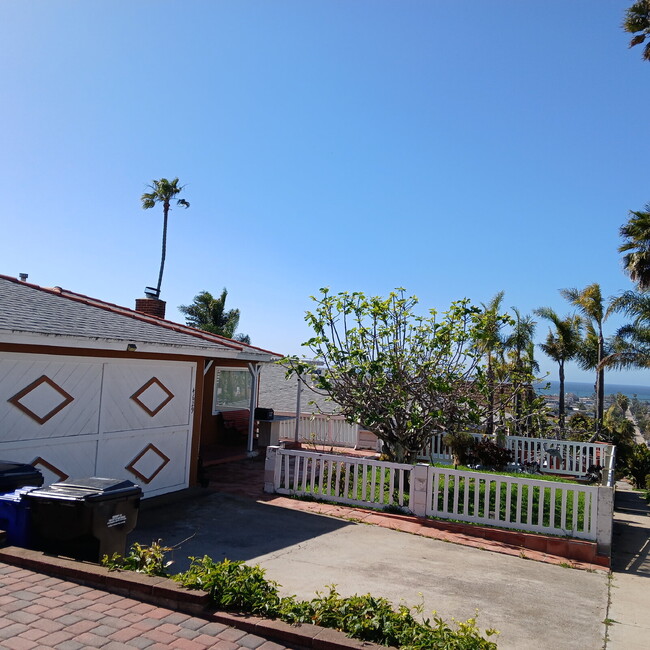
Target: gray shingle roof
(26,308)
(280,394)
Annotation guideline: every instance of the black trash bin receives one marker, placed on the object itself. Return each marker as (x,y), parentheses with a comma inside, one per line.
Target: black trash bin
(84,518)
(17,475)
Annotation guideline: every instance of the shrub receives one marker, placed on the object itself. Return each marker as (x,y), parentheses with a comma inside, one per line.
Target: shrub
(638,465)
(232,585)
(461,444)
(373,619)
(141,559)
(489,454)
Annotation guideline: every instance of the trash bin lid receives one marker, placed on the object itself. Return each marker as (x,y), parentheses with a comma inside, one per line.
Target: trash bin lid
(12,473)
(17,495)
(92,488)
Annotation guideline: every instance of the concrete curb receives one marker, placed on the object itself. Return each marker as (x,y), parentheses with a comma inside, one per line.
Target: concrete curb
(164,592)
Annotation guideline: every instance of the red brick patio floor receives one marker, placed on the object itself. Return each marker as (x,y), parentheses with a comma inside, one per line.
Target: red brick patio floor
(37,611)
(245,478)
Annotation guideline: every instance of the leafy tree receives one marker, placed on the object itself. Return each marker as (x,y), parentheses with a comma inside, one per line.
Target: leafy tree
(581,427)
(638,465)
(163,191)
(400,375)
(591,352)
(636,246)
(561,345)
(619,430)
(209,313)
(637,21)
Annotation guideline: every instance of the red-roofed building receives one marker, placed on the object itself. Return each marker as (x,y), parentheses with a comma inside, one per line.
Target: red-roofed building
(88,388)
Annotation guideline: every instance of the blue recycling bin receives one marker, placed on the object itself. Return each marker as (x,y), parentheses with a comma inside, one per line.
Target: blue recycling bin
(15,517)
(17,480)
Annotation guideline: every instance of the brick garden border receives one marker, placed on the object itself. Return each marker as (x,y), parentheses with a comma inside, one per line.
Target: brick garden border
(164,592)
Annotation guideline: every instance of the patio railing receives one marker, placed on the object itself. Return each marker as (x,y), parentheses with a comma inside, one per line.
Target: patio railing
(551,456)
(321,429)
(563,457)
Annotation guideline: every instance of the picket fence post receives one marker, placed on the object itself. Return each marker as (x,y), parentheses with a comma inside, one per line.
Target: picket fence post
(419,493)
(604,520)
(271,462)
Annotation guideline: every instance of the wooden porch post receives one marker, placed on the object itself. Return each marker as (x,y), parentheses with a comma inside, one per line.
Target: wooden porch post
(254,369)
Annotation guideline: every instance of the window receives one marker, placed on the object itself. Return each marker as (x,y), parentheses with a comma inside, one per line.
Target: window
(232,389)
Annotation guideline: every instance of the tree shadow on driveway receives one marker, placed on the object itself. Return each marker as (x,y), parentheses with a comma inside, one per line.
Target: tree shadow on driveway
(197,522)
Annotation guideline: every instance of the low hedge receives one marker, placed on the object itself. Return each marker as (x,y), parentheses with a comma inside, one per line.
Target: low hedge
(236,586)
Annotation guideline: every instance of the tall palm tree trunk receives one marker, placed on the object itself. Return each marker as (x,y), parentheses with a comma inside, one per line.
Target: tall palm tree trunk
(561,406)
(600,390)
(489,427)
(164,246)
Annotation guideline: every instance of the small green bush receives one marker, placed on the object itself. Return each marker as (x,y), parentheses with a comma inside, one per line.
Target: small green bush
(373,619)
(141,559)
(638,465)
(232,585)
(489,454)
(461,444)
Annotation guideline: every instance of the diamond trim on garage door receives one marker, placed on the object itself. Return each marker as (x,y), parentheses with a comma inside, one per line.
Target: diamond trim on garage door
(151,392)
(52,468)
(147,455)
(48,389)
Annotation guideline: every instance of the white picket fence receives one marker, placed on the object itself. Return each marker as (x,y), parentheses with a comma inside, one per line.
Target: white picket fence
(512,502)
(343,479)
(552,456)
(523,503)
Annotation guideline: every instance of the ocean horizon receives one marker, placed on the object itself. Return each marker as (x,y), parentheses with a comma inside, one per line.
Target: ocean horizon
(586,389)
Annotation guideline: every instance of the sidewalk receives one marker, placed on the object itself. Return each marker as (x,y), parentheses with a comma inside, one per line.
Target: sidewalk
(630,588)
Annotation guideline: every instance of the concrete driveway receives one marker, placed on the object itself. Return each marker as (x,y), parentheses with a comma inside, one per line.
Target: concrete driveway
(533,605)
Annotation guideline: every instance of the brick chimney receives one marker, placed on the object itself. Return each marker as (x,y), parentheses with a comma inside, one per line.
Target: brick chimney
(151,306)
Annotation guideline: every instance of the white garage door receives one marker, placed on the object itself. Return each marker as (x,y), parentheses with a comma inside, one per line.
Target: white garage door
(78,417)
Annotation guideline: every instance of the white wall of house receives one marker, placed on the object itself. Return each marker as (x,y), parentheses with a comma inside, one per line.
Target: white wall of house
(82,416)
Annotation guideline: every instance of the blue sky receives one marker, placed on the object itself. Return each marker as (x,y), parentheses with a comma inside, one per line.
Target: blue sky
(454,149)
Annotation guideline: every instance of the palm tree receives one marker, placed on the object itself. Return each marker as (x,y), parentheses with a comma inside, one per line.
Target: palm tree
(589,302)
(637,19)
(490,344)
(163,191)
(561,345)
(209,314)
(630,347)
(636,247)
(519,346)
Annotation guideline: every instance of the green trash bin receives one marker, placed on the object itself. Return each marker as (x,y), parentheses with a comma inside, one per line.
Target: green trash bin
(84,518)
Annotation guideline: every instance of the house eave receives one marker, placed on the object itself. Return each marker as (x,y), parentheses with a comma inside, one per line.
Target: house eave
(113,345)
